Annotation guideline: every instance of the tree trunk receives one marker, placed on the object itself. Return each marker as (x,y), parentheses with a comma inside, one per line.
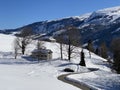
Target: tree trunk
(69,51)
(90,54)
(15,56)
(61,51)
(23,49)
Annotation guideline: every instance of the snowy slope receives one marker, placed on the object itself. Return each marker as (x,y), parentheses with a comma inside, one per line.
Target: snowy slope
(26,76)
(105,15)
(22,74)
(99,80)
(31,75)
(6,42)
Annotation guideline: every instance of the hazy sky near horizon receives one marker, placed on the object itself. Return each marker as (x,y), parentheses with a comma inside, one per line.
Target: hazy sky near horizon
(17,13)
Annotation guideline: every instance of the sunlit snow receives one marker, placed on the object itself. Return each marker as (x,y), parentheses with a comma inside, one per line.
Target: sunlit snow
(28,74)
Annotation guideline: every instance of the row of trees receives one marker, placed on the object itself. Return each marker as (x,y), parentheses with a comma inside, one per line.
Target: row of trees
(72,39)
(69,40)
(103,50)
(115,48)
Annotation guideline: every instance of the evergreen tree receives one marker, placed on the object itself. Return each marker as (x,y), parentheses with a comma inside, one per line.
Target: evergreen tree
(97,51)
(115,45)
(82,61)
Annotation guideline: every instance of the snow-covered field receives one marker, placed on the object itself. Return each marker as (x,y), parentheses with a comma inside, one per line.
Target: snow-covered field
(22,74)
(6,43)
(27,74)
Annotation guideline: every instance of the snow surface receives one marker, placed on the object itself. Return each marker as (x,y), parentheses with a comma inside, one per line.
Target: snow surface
(110,10)
(114,11)
(27,74)
(22,74)
(99,80)
(82,17)
(6,43)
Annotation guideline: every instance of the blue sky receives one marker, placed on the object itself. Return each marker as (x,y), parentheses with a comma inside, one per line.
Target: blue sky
(17,13)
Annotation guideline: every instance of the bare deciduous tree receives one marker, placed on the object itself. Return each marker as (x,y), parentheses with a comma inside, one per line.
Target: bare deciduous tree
(90,47)
(24,38)
(103,50)
(72,40)
(40,44)
(16,47)
(60,39)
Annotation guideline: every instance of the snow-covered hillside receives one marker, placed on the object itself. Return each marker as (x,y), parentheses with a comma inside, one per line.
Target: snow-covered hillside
(105,16)
(27,74)
(6,42)
(22,74)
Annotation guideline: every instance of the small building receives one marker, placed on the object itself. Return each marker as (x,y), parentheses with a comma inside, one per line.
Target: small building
(42,54)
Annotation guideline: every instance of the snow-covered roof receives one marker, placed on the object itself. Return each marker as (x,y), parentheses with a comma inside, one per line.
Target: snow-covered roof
(43,51)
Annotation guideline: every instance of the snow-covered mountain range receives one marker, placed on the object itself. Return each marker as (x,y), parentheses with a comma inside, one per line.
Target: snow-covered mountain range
(101,25)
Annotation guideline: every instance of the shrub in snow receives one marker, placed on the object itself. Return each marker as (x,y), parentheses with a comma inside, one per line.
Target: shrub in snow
(68,70)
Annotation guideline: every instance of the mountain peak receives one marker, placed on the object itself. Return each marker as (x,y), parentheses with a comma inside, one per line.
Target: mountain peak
(110,10)
(114,11)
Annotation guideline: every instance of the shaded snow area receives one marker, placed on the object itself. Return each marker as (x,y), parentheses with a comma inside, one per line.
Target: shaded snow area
(25,73)
(99,80)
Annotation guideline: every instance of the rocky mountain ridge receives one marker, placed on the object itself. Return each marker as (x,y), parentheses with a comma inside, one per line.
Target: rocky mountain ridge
(101,25)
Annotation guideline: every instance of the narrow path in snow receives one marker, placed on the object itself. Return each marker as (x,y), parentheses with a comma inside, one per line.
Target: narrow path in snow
(79,85)
(63,78)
